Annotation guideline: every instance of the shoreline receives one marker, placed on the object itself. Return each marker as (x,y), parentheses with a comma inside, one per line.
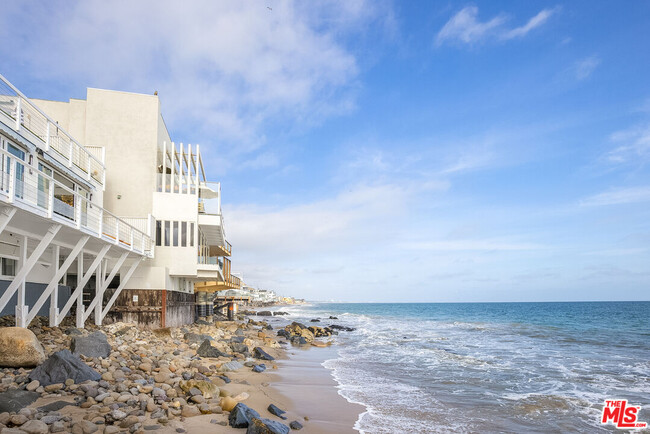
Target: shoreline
(148,361)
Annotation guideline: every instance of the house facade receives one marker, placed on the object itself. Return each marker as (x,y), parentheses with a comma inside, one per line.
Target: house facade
(161,188)
(62,251)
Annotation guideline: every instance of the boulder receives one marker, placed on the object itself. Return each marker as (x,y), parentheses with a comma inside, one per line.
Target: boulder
(207,388)
(239,348)
(35,427)
(14,399)
(284,333)
(207,350)
(265,313)
(227,403)
(259,368)
(231,366)
(314,320)
(259,353)
(241,416)
(196,338)
(93,345)
(280,313)
(19,348)
(63,365)
(339,327)
(299,340)
(295,425)
(333,317)
(274,410)
(266,426)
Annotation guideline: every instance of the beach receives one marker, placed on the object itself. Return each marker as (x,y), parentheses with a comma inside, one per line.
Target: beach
(164,381)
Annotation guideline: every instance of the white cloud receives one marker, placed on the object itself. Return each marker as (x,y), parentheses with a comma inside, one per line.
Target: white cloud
(465,27)
(533,23)
(619,196)
(585,67)
(221,68)
(634,145)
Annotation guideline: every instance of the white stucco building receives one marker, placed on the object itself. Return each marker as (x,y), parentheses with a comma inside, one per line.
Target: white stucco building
(61,249)
(68,163)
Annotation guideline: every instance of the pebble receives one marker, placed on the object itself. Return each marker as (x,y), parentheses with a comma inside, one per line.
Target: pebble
(35,427)
(33,385)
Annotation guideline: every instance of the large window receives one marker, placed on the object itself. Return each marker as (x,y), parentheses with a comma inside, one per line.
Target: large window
(174,233)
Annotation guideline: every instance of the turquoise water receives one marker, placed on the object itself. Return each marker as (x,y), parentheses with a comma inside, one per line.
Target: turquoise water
(489,367)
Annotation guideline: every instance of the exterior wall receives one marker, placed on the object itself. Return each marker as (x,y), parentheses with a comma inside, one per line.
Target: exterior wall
(127,125)
(32,292)
(145,308)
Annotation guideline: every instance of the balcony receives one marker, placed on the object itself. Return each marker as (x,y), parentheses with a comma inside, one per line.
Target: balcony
(25,118)
(27,188)
(210,219)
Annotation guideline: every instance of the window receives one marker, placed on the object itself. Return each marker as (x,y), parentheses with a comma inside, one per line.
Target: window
(191,234)
(167,233)
(183,234)
(158,233)
(8,266)
(175,234)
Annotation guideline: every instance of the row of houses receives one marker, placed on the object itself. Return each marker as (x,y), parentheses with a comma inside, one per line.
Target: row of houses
(255,296)
(102,216)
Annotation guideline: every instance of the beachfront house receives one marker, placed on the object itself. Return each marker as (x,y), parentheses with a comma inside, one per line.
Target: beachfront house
(63,249)
(160,188)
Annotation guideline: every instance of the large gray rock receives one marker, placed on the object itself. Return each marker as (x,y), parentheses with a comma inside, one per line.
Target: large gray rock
(15,399)
(241,416)
(266,426)
(259,353)
(19,347)
(239,347)
(93,345)
(207,350)
(63,365)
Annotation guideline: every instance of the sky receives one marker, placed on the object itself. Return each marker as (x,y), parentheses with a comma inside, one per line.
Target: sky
(388,151)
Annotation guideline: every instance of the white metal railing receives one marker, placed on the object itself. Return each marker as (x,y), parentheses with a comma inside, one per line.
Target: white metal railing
(143,224)
(26,118)
(21,184)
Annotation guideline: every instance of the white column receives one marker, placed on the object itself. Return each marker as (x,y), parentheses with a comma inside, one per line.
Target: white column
(80,297)
(54,298)
(21,308)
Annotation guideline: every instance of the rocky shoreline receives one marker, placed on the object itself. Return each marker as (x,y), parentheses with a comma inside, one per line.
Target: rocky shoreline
(121,379)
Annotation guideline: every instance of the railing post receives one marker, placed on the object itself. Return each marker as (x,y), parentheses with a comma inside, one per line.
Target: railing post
(117,231)
(77,210)
(88,167)
(50,199)
(100,227)
(47,137)
(131,238)
(19,110)
(12,180)
(70,154)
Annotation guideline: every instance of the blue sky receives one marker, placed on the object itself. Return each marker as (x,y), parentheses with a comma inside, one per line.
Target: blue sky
(385,151)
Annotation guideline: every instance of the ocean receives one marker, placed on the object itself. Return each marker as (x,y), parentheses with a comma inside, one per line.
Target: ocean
(488,367)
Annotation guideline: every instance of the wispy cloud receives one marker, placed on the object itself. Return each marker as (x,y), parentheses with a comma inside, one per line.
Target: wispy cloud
(533,23)
(618,196)
(633,145)
(227,68)
(466,27)
(585,67)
